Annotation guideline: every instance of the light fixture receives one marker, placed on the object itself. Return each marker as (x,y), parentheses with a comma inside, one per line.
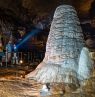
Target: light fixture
(21,61)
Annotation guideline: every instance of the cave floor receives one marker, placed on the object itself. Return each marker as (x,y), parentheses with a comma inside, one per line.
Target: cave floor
(17,88)
(21,88)
(12,84)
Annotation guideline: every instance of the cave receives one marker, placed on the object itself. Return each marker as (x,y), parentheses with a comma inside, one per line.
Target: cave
(39,39)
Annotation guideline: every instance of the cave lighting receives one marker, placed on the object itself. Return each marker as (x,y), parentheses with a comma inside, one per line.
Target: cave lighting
(31,34)
(21,61)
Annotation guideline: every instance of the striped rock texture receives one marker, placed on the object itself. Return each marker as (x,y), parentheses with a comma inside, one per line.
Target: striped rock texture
(64,44)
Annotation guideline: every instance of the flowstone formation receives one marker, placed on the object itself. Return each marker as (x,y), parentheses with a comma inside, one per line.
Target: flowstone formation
(85,65)
(64,44)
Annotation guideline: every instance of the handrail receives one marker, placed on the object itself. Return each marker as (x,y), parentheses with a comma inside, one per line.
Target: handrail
(21,57)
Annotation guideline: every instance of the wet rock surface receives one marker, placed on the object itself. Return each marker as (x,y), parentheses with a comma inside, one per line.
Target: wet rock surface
(88,90)
(19,87)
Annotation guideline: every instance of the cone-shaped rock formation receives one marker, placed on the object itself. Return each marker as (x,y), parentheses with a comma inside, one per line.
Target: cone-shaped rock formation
(64,44)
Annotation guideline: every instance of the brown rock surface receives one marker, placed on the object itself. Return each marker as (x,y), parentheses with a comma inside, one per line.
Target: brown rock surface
(19,87)
(22,88)
(88,90)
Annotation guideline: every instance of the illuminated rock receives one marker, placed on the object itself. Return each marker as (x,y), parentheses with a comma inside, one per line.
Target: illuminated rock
(85,65)
(1,45)
(87,90)
(65,41)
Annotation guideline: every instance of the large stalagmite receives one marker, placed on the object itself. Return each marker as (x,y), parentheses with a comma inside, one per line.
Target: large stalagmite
(64,44)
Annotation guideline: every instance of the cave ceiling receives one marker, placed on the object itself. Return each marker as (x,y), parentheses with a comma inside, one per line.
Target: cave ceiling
(22,12)
(42,7)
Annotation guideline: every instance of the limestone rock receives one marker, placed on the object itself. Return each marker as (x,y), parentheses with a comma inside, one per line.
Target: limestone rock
(88,90)
(65,41)
(85,65)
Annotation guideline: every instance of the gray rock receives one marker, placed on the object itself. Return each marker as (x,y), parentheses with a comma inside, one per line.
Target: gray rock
(64,44)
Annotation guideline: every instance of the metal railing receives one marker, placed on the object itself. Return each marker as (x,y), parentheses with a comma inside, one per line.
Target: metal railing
(10,58)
